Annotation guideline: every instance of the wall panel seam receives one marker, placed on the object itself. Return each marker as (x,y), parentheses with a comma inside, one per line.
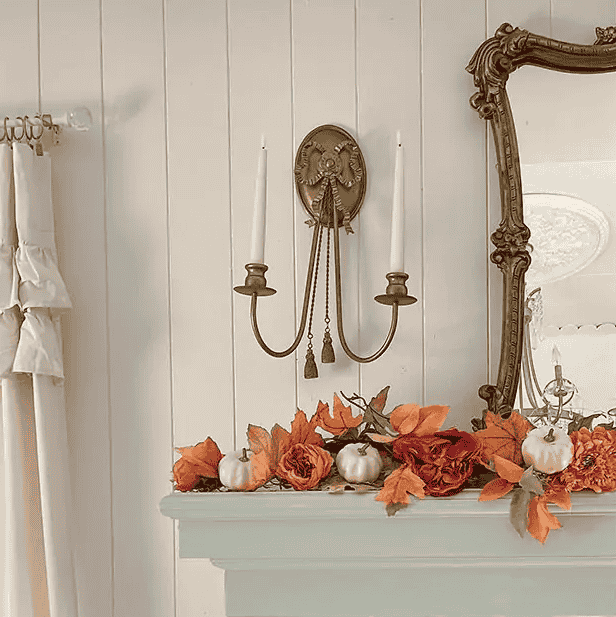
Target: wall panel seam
(107,307)
(230,230)
(293,202)
(424,376)
(169,286)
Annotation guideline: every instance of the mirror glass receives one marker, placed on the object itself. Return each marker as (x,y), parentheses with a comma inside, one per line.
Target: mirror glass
(566,130)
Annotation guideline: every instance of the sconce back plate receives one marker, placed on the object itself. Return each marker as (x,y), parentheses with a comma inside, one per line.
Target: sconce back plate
(329,155)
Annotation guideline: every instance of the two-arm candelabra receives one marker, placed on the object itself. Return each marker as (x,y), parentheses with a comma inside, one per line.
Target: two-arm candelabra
(330,177)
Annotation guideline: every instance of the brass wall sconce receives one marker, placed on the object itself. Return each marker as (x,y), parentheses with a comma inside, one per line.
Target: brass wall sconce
(330,178)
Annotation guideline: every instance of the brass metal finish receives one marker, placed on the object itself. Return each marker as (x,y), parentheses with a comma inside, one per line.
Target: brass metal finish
(396,291)
(330,157)
(330,176)
(255,282)
(304,318)
(493,62)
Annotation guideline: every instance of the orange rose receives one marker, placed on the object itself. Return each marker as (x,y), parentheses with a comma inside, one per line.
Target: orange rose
(594,461)
(444,461)
(304,466)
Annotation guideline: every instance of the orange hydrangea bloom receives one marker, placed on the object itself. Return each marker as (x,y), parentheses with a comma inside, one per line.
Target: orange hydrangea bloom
(594,461)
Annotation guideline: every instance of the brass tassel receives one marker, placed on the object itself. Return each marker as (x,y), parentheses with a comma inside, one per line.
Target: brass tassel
(327,353)
(310,368)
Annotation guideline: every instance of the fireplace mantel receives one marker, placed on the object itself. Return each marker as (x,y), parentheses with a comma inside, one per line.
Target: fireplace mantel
(315,554)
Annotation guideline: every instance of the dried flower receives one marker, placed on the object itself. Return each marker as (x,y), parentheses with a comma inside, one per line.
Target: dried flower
(304,466)
(444,461)
(594,461)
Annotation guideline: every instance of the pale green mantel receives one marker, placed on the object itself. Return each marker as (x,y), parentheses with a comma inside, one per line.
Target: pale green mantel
(315,554)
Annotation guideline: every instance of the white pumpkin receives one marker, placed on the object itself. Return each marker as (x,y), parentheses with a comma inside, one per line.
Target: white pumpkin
(548,449)
(234,469)
(359,462)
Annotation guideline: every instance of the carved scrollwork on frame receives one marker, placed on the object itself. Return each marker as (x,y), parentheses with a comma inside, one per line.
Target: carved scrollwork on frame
(509,49)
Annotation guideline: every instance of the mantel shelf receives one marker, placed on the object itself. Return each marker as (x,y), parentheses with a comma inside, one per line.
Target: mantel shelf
(293,539)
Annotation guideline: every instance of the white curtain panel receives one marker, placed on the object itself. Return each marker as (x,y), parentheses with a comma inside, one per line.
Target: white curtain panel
(39,570)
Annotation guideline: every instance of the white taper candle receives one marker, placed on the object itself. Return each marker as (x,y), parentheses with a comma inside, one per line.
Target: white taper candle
(396,263)
(257,247)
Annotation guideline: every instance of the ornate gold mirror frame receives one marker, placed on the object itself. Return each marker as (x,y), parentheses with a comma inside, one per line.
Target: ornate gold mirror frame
(491,65)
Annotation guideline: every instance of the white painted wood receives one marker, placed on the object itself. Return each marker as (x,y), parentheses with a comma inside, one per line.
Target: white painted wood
(423,592)
(293,66)
(324,92)
(21,95)
(200,254)
(138,280)
(453,213)
(261,105)
(306,539)
(388,37)
(70,79)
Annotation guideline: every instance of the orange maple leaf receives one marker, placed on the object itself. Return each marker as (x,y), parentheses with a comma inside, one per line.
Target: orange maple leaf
(303,431)
(540,519)
(503,437)
(260,470)
(560,496)
(419,421)
(509,473)
(205,456)
(268,449)
(494,489)
(341,419)
(398,485)
(507,469)
(281,442)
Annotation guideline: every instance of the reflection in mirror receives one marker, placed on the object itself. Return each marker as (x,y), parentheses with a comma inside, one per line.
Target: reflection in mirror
(566,134)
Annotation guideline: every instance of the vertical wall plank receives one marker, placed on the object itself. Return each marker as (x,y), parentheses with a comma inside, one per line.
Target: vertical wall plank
(19,71)
(200,254)
(454,213)
(260,105)
(324,87)
(133,86)
(389,100)
(69,80)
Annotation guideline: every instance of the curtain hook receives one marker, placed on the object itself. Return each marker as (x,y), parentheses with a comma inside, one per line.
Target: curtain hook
(23,129)
(40,126)
(27,122)
(9,136)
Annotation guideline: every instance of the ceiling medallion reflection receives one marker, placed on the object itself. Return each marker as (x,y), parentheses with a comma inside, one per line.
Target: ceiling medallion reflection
(567,235)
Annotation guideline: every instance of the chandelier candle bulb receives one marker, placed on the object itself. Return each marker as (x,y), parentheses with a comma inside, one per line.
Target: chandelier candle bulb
(558,369)
(257,248)
(397,219)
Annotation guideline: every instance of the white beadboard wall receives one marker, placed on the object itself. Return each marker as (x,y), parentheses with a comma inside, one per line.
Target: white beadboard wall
(153,217)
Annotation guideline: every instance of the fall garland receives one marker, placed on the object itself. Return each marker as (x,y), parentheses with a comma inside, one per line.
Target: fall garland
(403,453)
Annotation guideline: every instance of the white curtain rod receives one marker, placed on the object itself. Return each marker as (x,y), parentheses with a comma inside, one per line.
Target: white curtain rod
(78,119)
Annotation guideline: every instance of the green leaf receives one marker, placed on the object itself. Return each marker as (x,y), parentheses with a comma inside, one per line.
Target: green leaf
(392,508)
(530,482)
(579,422)
(518,513)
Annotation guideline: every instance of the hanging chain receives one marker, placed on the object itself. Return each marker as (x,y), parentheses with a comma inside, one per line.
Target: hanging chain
(310,368)
(327,353)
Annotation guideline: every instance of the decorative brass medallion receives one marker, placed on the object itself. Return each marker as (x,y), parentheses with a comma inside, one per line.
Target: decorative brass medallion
(330,157)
